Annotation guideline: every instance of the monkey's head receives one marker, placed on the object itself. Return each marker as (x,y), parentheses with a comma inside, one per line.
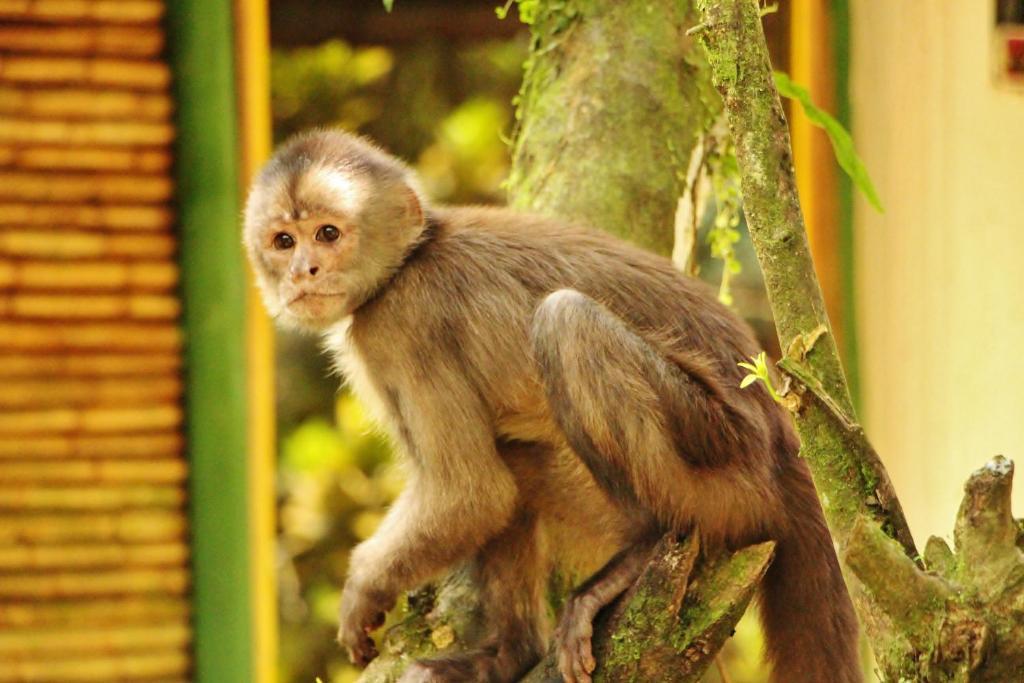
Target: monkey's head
(328,220)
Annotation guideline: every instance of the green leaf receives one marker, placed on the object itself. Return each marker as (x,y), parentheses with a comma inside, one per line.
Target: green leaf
(747,366)
(747,381)
(389,4)
(842,143)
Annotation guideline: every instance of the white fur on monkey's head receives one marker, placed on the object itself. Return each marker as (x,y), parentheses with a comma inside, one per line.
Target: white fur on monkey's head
(327,221)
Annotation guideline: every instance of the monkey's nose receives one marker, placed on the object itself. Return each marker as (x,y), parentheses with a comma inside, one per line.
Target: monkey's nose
(314,270)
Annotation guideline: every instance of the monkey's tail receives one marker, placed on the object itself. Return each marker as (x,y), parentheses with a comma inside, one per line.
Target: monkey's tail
(809,622)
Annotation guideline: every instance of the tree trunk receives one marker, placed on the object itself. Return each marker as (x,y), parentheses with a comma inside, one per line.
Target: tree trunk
(614,98)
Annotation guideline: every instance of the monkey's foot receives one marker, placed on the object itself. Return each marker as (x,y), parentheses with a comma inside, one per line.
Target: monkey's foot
(573,643)
(421,673)
(493,664)
(459,669)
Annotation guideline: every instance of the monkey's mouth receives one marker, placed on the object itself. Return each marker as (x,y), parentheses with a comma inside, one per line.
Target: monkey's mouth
(312,295)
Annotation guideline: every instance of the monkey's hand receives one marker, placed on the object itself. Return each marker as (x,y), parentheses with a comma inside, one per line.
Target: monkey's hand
(362,610)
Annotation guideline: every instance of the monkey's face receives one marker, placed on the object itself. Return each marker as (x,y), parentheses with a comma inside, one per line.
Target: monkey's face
(307,266)
(322,239)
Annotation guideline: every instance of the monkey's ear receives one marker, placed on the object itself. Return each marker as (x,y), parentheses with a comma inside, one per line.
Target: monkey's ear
(413,207)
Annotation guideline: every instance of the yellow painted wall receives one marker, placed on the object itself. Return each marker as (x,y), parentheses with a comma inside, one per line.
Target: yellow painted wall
(940,284)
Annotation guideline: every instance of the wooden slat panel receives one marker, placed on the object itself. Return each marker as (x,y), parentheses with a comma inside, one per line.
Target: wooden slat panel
(62,132)
(150,471)
(89,306)
(93,336)
(143,160)
(98,275)
(120,41)
(52,217)
(88,364)
(74,11)
(91,71)
(92,556)
(95,187)
(90,420)
(137,610)
(54,244)
(103,526)
(118,582)
(90,497)
(139,445)
(79,392)
(94,545)
(37,643)
(155,665)
(77,103)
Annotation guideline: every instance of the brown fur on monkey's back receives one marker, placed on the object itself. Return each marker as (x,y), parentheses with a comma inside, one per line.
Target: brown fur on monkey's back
(497,265)
(464,301)
(535,256)
(468,293)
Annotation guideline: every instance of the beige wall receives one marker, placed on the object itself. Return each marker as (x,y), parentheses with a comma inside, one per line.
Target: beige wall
(940,283)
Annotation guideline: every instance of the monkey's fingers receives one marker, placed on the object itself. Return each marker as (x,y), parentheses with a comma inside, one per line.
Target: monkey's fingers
(360,647)
(364,653)
(375,622)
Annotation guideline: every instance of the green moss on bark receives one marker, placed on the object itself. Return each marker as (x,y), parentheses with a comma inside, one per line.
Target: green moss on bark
(608,115)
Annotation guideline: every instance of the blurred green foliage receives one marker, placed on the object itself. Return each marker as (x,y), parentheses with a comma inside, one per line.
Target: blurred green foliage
(442,107)
(336,479)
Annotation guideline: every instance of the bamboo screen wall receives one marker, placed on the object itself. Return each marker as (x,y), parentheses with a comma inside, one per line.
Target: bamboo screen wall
(93,548)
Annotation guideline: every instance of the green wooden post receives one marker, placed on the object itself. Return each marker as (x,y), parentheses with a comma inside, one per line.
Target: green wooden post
(839,19)
(213,279)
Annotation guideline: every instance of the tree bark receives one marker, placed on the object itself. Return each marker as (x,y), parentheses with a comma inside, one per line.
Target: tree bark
(948,617)
(614,98)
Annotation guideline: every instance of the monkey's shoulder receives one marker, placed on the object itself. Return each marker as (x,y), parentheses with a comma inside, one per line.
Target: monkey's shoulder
(485,226)
(497,246)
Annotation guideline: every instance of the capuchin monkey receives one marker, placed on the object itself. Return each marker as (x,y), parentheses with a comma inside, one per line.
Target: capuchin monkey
(557,393)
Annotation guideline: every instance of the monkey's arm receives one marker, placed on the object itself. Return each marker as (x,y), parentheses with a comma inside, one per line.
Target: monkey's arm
(459,495)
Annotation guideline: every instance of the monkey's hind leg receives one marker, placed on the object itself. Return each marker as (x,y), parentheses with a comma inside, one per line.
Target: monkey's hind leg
(653,432)
(658,434)
(510,572)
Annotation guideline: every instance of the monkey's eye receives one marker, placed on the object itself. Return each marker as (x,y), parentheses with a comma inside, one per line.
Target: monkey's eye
(283,240)
(327,233)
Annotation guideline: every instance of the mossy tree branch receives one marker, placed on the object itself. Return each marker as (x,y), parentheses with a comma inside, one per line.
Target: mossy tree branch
(959,619)
(671,623)
(734,41)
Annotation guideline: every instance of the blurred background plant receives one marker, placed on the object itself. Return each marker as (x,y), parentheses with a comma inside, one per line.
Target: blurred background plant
(445,107)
